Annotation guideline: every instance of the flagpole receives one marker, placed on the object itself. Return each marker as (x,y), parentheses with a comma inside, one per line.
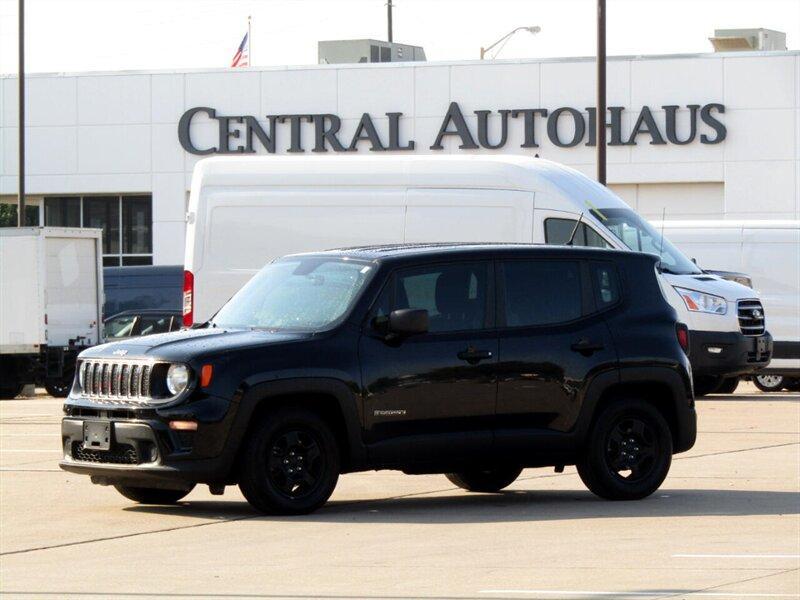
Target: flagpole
(249,44)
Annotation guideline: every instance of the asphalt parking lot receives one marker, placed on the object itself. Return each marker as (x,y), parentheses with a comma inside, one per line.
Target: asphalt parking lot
(726,524)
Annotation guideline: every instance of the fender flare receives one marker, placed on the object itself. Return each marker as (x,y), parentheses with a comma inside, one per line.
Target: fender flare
(346,399)
(682,403)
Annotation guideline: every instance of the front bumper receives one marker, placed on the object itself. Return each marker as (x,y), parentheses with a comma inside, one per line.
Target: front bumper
(728,353)
(144,451)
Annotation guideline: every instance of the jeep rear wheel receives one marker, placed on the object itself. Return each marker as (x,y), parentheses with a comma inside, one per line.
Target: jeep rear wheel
(290,464)
(488,481)
(144,495)
(629,452)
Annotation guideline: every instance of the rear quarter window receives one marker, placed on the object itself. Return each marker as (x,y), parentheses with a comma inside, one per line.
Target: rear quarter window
(541,292)
(605,281)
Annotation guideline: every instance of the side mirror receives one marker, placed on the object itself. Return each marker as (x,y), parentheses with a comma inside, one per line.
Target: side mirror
(408,321)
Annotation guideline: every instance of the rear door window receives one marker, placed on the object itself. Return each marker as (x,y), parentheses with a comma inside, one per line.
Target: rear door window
(541,292)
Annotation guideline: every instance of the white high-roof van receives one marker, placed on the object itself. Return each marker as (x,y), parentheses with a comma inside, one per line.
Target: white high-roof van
(768,252)
(246,211)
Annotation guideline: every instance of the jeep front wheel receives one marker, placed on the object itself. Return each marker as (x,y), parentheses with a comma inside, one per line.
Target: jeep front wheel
(290,464)
(629,452)
(488,481)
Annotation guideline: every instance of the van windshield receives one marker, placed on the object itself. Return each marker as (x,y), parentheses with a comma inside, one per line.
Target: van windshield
(298,294)
(637,234)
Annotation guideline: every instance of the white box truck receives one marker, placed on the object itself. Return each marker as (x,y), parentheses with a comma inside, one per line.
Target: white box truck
(246,211)
(51,297)
(767,253)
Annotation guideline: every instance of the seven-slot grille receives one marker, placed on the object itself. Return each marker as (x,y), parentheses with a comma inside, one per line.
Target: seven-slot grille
(751,317)
(112,379)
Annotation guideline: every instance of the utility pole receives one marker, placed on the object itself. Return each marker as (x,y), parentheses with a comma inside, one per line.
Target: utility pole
(21,82)
(600,120)
(389,17)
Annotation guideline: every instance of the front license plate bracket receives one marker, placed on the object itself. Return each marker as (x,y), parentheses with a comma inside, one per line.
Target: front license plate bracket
(97,435)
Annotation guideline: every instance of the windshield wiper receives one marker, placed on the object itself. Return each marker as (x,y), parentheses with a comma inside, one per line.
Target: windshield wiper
(662,269)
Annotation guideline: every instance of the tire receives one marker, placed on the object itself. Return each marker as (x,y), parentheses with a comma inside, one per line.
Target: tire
(58,388)
(728,385)
(144,495)
(706,384)
(290,463)
(10,390)
(769,383)
(488,481)
(604,462)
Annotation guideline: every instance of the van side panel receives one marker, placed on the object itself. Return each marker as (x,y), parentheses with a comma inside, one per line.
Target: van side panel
(242,229)
(468,215)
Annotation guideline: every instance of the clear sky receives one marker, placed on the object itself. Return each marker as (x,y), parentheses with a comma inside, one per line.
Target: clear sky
(109,35)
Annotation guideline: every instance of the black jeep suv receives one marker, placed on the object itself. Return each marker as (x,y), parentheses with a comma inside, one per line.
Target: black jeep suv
(470,360)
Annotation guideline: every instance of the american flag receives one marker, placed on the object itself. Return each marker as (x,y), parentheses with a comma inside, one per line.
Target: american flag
(242,56)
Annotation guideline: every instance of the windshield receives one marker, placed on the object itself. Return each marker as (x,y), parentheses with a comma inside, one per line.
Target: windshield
(306,294)
(637,234)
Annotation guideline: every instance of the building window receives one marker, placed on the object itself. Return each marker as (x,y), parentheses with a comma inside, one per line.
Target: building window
(62,212)
(126,221)
(9,212)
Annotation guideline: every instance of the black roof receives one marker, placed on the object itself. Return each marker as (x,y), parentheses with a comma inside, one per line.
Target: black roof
(392,251)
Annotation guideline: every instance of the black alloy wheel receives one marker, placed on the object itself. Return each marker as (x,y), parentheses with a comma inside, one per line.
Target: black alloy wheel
(486,481)
(145,495)
(728,385)
(10,389)
(58,388)
(295,464)
(629,451)
(290,464)
(706,384)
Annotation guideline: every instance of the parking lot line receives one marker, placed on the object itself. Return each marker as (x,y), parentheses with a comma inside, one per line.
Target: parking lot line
(663,593)
(736,556)
(37,451)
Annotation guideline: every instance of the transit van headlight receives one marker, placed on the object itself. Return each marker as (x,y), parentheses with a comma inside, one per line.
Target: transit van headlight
(699,302)
(177,379)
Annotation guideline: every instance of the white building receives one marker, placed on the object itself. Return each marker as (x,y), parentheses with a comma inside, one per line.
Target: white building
(103,149)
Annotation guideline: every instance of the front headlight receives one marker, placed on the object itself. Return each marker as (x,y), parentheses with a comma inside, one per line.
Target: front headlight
(177,379)
(699,302)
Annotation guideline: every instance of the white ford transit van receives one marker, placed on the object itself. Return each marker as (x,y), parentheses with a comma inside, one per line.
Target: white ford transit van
(246,211)
(768,253)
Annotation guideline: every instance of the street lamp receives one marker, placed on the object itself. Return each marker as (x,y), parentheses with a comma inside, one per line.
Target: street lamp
(532,29)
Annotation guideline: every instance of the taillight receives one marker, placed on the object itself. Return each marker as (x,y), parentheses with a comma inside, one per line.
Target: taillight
(188,298)
(682,331)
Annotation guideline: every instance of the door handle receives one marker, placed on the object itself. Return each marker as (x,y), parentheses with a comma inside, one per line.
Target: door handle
(473,356)
(586,347)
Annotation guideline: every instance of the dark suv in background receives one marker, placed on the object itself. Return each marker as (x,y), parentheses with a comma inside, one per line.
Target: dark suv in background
(471,360)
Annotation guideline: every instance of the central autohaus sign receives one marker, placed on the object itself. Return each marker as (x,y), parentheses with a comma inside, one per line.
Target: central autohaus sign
(239,134)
